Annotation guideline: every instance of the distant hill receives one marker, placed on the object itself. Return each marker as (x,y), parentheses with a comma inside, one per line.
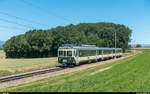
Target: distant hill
(1,43)
(143,45)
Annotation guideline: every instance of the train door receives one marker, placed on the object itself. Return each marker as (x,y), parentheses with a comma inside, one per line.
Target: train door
(102,54)
(77,57)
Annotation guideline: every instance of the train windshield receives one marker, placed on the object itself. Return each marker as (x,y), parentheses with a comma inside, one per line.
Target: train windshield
(65,53)
(60,53)
(69,53)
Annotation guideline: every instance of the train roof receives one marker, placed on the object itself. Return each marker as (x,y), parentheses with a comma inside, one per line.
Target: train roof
(86,47)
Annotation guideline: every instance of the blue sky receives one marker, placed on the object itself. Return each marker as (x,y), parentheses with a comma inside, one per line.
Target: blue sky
(133,13)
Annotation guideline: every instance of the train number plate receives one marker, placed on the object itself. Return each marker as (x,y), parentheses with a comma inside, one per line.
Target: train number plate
(64,60)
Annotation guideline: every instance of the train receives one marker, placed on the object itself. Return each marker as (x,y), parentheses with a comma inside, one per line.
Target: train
(72,55)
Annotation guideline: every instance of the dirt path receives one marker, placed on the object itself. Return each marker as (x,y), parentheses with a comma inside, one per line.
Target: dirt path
(101,70)
(68,70)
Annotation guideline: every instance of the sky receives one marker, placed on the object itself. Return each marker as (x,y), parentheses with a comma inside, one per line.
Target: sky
(46,14)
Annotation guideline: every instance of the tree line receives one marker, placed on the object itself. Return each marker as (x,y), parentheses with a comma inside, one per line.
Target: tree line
(45,43)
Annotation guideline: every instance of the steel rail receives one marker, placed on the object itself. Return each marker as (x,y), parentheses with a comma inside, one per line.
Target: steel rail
(28,74)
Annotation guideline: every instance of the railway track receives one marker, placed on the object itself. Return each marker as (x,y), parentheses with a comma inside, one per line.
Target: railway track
(31,73)
(27,74)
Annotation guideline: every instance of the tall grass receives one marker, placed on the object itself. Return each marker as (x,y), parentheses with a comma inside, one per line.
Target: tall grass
(9,66)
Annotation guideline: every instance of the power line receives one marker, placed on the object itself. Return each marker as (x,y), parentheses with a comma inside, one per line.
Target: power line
(23,19)
(1,26)
(46,11)
(4,20)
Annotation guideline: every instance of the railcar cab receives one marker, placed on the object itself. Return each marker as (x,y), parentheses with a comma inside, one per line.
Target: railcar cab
(66,55)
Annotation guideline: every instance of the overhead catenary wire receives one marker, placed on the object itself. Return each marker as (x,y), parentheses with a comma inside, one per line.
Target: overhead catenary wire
(46,11)
(12,22)
(23,19)
(2,26)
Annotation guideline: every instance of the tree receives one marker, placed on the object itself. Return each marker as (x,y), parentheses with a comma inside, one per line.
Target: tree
(138,45)
(45,43)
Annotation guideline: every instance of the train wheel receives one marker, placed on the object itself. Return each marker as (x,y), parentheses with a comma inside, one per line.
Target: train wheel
(71,65)
(64,65)
(77,64)
(89,61)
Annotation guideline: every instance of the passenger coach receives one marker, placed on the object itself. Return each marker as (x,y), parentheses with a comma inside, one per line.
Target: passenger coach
(71,55)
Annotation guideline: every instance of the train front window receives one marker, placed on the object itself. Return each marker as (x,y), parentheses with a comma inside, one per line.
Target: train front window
(60,53)
(65,53)
(69,53)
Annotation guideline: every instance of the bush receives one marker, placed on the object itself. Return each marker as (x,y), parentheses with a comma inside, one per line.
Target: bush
(138,45)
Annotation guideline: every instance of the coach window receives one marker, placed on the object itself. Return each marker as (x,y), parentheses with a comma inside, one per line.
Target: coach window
(69,53)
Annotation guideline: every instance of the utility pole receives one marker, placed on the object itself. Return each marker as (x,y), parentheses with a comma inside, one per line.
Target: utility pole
(134,46)
(115,43)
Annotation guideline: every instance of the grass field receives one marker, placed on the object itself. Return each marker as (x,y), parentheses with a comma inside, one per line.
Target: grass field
(129,75)
(2,54)
(9,66)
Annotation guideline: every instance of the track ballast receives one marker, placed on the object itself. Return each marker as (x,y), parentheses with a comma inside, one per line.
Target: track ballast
(27,74)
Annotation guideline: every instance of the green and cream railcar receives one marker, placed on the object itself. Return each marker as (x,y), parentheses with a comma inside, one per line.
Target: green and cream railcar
(73,55)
